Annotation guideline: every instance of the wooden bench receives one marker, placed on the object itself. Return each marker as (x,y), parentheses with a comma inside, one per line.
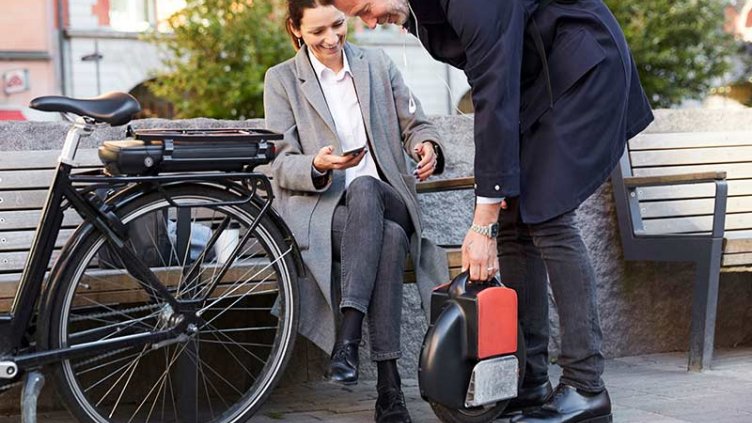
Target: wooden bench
(688,197)
(25,177)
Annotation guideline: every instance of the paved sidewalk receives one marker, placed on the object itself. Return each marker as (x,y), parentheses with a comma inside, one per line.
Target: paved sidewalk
(644,389)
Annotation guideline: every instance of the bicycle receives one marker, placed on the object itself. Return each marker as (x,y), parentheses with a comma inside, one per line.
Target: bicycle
(203,333)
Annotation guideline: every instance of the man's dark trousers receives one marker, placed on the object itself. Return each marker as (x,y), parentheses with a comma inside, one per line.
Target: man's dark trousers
(553,251)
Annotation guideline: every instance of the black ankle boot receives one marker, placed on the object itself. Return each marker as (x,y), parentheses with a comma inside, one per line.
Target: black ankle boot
(391,408)
(343,366)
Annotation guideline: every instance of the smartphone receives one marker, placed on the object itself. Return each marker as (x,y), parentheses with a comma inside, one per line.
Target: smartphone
(354,151)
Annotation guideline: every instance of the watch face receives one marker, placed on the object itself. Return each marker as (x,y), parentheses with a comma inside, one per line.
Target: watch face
(494,230)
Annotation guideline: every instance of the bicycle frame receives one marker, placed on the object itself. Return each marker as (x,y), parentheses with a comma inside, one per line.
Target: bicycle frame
(14,326)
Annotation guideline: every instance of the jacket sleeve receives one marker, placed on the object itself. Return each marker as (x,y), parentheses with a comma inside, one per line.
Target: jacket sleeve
(414,126)
(291,168)
(492,33)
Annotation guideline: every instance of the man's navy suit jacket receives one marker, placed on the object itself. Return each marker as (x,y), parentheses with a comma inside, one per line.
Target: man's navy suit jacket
(551,144)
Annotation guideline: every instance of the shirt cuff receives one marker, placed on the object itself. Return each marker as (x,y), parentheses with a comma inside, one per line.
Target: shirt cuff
(319,179)
(488,200)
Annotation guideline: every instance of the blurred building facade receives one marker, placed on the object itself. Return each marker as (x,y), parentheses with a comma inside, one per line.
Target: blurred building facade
(78,48)
(29,52)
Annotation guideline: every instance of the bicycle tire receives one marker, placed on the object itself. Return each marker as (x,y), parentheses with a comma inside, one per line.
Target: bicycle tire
(225,357)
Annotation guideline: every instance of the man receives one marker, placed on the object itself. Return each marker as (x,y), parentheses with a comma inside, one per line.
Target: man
(556,96)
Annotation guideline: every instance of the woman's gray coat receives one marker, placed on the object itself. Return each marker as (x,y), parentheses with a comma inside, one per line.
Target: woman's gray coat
(295,106)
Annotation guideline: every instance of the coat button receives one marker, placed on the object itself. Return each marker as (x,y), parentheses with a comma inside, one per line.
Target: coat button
(475,186)
(497,188)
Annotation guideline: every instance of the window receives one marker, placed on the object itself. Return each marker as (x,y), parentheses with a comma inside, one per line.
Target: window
(132,15)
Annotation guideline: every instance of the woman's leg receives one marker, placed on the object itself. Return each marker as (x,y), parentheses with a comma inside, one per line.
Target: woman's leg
(369,203)
(385,309)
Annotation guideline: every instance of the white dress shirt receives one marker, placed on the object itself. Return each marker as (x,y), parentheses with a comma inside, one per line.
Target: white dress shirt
(339,92)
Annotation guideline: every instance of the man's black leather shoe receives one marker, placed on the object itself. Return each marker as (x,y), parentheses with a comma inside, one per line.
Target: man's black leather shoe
(528,398)
(343,366)
(568,405)
(391,408)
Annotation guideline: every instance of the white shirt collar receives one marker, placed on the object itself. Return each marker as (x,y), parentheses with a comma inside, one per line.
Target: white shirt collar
(321,69)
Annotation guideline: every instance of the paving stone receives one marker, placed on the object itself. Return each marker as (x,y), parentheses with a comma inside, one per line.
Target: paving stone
(645,389)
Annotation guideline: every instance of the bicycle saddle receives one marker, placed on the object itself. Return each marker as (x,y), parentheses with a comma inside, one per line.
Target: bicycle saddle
(115,108)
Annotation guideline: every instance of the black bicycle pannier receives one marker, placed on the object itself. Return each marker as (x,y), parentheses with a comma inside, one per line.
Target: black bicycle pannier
(195,150)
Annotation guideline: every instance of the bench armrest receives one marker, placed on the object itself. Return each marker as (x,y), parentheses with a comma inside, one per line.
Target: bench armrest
(446,185)
(717,177)
(678,179)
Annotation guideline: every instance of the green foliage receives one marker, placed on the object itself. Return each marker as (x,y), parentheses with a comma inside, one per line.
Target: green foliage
(218,54)
(679,46)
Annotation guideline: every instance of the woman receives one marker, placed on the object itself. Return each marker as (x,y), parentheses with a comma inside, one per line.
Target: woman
(358,209)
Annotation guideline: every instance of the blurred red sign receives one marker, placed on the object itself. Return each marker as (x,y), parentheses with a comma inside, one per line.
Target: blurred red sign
(16,81)
(11,115)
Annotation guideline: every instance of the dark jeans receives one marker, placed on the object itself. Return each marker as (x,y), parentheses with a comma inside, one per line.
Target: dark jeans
(553,252)
(370,238)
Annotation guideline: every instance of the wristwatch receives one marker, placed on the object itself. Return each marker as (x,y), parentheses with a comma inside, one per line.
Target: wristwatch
(490,231)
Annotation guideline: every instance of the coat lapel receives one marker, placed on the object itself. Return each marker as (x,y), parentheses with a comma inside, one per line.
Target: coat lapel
(309,84)
(362,78)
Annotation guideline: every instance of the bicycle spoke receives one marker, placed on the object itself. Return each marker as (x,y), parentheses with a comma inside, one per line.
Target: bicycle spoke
(216,374)
(208,285)
(227,293)
(83,372)
(235,343)
(240,363)
(128,367)
(164,375)
(248,344)
(119,330)
(196,359)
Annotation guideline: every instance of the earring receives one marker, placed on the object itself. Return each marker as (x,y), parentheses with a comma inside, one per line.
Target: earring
(300,42)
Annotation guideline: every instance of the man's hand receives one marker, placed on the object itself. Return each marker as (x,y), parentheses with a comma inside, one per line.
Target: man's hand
(326,160)
(479,252)
(480,256)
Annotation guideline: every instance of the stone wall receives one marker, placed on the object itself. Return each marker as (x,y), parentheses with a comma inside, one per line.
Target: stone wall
(644,306)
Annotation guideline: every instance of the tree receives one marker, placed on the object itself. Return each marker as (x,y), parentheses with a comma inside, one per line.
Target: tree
(680,47)
(217,55)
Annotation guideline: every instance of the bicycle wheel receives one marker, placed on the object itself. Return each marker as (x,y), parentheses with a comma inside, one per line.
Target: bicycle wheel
(221,373)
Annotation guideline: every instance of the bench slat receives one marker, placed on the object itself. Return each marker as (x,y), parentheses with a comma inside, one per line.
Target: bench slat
(733,170)
(678,225)
(740,259)
(16,261)
(676,140)
(693,207)
(26,179)
(14,200)
(29,219)
(741,245)
(21,240)
(32,179)
(45,159)
(691,156)
(704,190)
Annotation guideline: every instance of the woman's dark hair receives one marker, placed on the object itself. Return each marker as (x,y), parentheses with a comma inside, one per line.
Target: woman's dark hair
(295,10)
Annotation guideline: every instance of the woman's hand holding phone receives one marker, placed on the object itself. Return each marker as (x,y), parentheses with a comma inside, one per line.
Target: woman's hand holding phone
(326,160)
